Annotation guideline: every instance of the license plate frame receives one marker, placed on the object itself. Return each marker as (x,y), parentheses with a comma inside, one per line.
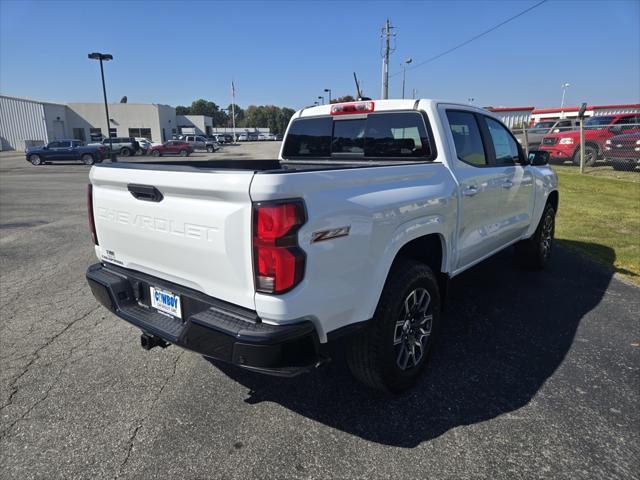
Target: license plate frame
(165,301)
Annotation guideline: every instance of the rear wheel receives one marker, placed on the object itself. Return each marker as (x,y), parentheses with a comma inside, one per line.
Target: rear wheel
(392,352)
(125,152)
(534,253)
(87,159)
(184,153)
(155,153)
(35,160)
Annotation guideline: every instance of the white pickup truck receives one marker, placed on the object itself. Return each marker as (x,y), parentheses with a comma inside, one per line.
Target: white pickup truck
(355,230)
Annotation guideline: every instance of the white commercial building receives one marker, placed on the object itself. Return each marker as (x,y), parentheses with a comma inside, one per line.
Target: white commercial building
(25,122)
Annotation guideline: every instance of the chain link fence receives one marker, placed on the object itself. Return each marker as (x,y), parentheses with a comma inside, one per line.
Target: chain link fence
(600,144)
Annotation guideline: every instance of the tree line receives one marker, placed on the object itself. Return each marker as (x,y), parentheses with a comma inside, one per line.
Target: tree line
(254,116)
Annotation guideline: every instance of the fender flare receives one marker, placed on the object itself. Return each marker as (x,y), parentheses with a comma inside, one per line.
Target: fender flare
(405,233)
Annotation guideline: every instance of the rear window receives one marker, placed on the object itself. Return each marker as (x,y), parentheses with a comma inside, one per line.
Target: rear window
(383,135)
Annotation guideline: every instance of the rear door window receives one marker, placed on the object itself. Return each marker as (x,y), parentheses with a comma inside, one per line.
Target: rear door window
(467,138)
(396,135)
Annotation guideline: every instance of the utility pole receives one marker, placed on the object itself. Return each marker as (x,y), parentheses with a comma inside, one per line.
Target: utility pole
(386,38)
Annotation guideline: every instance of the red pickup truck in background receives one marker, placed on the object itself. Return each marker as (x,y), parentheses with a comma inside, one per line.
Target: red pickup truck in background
(597,130)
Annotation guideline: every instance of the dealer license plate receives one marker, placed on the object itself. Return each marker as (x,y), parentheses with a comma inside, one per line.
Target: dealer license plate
(166,302)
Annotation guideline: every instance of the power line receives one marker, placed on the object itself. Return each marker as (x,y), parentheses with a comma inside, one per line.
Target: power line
(466,42)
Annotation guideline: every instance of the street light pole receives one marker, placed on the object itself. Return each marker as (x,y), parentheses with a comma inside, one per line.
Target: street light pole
(105,57)
(329,91)
(320,97)
(564,90)
(404,70)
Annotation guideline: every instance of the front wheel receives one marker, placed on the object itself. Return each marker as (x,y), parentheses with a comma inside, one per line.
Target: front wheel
(534,253)
(393,351)
(621,166)
(87,159)
(35,160)
(184,153)
(155,153)
(125,152)
(210,149)
(590,156)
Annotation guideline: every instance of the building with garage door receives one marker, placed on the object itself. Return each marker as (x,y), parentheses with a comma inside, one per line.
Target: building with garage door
(25,123)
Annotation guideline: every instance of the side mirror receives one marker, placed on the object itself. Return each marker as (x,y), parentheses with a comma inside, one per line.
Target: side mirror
(45,147)
(538,157)
(616,129)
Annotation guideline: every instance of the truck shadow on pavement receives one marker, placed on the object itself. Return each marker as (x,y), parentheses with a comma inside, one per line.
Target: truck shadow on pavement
(504,333)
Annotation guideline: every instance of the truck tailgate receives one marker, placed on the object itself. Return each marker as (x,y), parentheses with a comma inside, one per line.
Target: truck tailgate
(197,233)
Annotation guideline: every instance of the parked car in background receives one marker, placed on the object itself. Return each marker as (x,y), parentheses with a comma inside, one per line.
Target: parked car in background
(597,130)
(540,129)
(200,142)
(145,145)
(66,150)
(243,137)
(266,136)
(172,147)
(224,138)
(622,152)
(122,146)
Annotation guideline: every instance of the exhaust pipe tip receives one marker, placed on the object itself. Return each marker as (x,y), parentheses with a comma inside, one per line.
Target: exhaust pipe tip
(150,341)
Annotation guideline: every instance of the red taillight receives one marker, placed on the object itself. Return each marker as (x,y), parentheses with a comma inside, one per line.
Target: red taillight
(278,260)
(352,108)
(92,222)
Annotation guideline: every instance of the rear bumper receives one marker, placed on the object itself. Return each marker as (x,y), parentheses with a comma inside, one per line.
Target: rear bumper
(210,327)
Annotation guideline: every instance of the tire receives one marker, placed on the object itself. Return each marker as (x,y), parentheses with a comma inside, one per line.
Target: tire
(377,356)
(87,159)
(155,153)
(35,160)
(125,152)
(621,166)
(210,149)
(534,253)
(590,156)
(184,153)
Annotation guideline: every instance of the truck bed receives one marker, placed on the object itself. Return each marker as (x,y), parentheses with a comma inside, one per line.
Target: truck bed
(257,166)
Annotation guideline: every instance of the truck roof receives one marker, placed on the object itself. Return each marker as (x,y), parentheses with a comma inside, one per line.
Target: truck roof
(388,105)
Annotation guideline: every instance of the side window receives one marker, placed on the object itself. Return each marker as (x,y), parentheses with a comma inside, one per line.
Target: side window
(467,138)
(503,143)
(64,144)
(54,145)
(629,123)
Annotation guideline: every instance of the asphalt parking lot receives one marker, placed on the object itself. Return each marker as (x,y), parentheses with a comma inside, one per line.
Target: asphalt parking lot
(536,375)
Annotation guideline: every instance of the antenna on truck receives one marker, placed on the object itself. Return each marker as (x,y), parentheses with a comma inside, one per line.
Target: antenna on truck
(360,97)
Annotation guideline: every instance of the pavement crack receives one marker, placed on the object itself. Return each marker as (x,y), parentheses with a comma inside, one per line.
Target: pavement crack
(134,434)
(13,385)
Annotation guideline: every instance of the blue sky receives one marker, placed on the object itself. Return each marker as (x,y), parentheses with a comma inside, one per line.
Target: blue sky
(286,53)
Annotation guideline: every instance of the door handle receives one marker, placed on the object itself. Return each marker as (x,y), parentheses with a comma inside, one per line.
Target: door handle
(148,193)
(507,184)
(469,190)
